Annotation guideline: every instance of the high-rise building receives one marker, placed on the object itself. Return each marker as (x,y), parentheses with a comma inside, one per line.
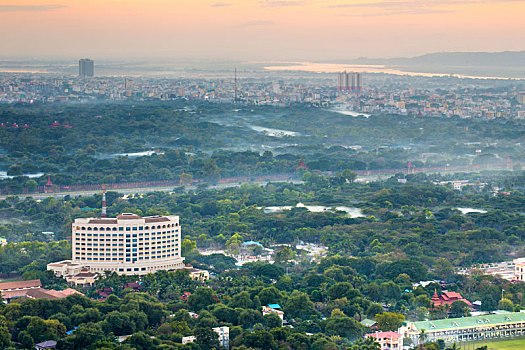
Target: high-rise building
(349,81)
(357,81)
(128,244)
(86,68)
(342,81)
(521,98)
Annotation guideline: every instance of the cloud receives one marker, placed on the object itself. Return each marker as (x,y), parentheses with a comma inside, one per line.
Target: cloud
(255,23)
(384,8)
(30,8)
(281,3)
(220,4)
(397,12)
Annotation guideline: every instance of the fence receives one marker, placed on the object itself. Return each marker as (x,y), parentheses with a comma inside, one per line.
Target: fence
(240,179)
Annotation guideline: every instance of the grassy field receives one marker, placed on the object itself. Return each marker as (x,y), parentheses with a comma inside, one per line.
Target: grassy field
(497,344)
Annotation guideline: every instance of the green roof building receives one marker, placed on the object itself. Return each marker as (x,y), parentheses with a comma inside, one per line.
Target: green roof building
(508,324)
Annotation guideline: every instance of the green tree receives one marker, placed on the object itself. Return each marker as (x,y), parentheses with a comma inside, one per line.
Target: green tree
(249,317)
(299,305)
(270,295)
(389,321)
(422,301)
(349,175)
(5,336)
(342,290)
(284,255)
(187,247)
(272,321)
(488,303)
(241,300)
(506,304)
(31,185)
(140,341)
(459,309)
(206,338)
(344,326)
(260,340)
(202,298)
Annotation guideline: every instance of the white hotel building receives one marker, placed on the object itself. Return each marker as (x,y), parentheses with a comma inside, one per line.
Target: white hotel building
(128,244)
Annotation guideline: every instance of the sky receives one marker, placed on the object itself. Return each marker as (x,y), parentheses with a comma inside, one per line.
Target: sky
(257,29)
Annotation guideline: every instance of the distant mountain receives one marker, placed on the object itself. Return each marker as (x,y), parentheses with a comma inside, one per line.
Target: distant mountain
(457,59)
(507,64)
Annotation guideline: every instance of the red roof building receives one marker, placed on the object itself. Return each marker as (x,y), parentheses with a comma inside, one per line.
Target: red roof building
(301,165)
(447,298)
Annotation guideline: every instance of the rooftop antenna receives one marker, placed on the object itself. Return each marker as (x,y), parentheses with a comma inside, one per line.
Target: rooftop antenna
(103,201)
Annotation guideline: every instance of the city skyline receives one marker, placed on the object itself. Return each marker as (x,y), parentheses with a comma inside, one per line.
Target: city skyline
(309,29)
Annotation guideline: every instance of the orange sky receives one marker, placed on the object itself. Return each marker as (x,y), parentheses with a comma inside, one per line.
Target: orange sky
(257,29)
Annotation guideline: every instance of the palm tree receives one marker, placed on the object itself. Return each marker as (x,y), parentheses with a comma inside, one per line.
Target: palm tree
(453,347)
(422,337)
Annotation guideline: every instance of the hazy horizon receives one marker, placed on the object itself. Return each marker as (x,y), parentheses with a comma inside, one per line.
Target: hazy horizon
(257,30)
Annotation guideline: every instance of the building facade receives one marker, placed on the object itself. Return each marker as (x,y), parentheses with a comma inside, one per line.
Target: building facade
(267,310)
(349,81)
(224,336)
(86,68)
(463,329)
(447,298)
(519,269)
(387,340)
(128,244)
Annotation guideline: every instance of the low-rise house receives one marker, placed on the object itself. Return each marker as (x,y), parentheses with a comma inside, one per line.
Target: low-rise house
(18,289)
(267,310)
(387,340)
(64,268)
(188,339)
(83,278)
(197,274)
(368,323)
(49,344)
(31,290)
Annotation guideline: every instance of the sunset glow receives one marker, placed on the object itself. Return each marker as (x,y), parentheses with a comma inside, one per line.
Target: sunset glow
(258,29)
